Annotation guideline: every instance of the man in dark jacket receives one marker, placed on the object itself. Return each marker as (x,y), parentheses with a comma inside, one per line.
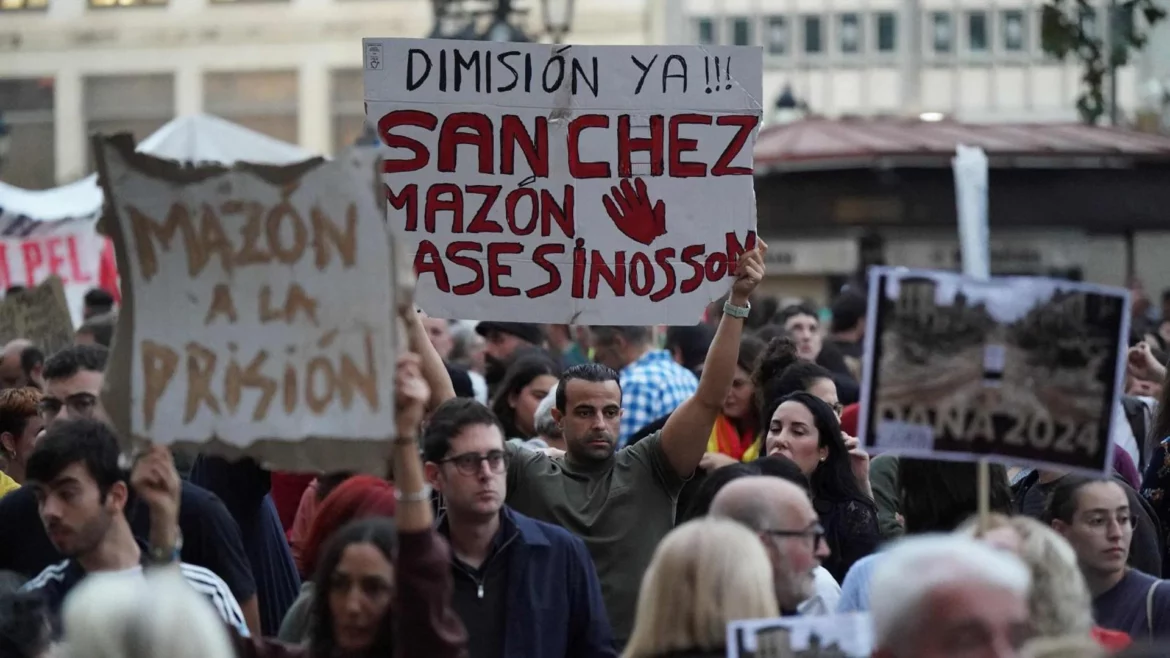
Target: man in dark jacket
(523,588)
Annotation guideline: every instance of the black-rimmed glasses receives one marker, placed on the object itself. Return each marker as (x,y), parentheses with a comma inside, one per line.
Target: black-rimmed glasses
(815,533)
(468,463)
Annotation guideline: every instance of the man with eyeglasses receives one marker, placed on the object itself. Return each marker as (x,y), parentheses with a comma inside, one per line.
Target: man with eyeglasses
(1094,515)
(523,588)
(211,538)
(781,513)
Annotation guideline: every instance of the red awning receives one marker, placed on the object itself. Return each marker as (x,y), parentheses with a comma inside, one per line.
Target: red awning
(817,143)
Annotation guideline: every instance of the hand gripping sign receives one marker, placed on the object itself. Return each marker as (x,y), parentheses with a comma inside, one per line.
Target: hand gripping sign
(598,185)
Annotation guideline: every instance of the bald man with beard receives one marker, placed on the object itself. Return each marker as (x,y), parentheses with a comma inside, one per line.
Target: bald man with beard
(781,513)
(12,369)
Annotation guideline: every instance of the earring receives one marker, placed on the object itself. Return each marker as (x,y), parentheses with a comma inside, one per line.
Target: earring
(824,458)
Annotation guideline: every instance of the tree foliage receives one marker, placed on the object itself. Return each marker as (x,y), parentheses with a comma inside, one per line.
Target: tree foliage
(1073,28)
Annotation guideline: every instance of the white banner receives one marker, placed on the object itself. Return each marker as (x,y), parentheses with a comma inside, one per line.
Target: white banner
(567,184)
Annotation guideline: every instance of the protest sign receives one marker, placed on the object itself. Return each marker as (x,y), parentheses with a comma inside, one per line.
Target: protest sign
(259,315)
(73,256)
(1019,370)
(567,184)
(811,636)
(39,314)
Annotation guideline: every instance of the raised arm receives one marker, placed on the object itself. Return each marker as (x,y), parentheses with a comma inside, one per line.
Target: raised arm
(684,439)
(433,368)
(427,624)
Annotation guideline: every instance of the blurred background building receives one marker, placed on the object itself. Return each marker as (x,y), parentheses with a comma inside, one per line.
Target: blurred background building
(885,87)
(288,68)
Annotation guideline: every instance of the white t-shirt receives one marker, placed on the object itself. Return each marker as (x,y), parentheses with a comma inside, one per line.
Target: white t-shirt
(828,593)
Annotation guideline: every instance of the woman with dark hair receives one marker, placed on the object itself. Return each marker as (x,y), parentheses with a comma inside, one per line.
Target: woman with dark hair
(735,435)
(356,579)
(357,497)
(526,383)
(781,371)
(803,428)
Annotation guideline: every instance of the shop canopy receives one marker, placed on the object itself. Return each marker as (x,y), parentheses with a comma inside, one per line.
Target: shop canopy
(834,144)
(194,138)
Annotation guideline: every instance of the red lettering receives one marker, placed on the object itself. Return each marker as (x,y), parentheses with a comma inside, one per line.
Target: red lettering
(735,249)
(79,275)
(56,258)
(578,169)
(627,145)
(5,272)
(481,223)
(513,133)
(481,137)
(579,269)
(510,203)
(563,214)
(746,123)
(33,259)
(616,277)
(643,287)
(428,261)
(540,257)
(407,199)
(664,258)
(717,267)
(680,168)
(454,254)
(421,156)
(689,256)
(435,205)
(497,270)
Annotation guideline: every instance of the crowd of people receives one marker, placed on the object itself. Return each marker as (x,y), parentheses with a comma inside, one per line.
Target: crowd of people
(576,491)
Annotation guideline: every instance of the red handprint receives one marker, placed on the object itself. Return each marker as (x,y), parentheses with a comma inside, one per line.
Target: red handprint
(633,212)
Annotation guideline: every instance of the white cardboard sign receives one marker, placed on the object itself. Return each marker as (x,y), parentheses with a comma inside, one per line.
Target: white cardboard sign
(586,184)
(260,313)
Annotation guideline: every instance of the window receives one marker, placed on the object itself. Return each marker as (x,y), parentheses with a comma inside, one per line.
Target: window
(28,111)
(1014,31)
(942,34)
(347,95)
(887,32)
(23,5)
(849,33)
(813,42)
(265,101)
(705,31)
(109,4)
(977,31)
(741,32)
(777,36)
(137,104)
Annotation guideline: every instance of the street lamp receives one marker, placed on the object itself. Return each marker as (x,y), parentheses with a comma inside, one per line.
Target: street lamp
(460,19)
(5,140)
(787,108)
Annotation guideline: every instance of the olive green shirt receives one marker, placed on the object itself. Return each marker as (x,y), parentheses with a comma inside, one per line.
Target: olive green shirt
(883,477)
(621,508)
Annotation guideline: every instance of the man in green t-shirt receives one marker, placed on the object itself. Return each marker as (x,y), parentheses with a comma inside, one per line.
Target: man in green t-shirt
(621,503)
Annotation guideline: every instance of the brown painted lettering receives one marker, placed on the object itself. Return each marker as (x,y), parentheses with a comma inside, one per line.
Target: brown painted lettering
(146,231)
(319,368)
(200,368)
(273,224)
(221,304)
(325,231)
(158,367)
(351,378)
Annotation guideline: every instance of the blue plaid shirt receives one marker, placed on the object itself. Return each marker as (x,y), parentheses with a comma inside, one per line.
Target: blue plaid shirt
(652,387)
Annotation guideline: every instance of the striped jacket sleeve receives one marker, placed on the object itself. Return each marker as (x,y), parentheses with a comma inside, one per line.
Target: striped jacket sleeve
(212,586)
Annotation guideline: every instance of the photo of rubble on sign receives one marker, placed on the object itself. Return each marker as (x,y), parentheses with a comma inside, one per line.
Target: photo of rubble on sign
(1021,368)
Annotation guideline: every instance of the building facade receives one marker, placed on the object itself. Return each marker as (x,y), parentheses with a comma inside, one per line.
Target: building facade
(288,68)
(973,60)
